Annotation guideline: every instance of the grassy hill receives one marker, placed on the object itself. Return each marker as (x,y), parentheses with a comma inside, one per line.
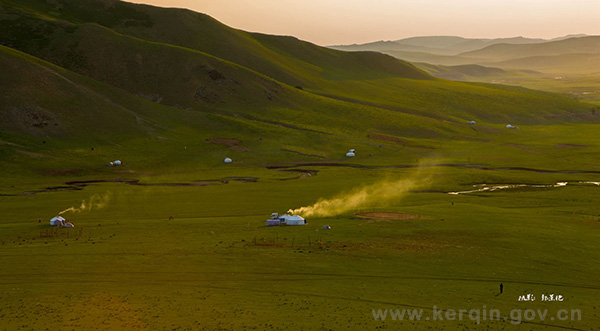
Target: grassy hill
(201,32)
(504,52)
(213,67)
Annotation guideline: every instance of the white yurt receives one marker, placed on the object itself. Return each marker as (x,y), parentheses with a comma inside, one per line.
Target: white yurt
(292,219)
(227,160)
(508,126)
(58,221)
(350,154)
(117,162)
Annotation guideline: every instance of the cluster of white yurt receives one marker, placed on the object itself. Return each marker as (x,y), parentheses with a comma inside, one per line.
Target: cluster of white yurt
(61,221)
(351,152)
(58,221)
(288,219)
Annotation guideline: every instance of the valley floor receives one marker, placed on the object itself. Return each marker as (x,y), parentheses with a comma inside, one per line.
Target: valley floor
(214,265)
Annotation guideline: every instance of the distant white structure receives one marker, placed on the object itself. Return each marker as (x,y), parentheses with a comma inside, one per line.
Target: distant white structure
(473,122)
(287,219)
(292,219)
(117,162)
(58,221)
(350,154)
(352,150)
(227,160)
(509,126)
(110,164)
(69,225)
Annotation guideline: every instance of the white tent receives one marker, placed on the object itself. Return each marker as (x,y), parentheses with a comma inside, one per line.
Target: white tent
(227,160)
(117,162)
(58,221)
(350,154)
(472,122)
(292,219)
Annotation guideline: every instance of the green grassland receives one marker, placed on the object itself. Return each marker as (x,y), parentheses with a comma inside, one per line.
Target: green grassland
(171,93)
(216,266)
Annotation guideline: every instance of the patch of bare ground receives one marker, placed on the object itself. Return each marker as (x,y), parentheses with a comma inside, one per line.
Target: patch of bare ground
(389,216)
(231,143)
(561,146)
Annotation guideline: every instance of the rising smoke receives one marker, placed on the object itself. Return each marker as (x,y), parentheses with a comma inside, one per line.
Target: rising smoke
(379,194)
(96,201)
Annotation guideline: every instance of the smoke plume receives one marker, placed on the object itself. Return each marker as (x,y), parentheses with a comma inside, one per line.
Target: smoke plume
(379,194)
(94,202)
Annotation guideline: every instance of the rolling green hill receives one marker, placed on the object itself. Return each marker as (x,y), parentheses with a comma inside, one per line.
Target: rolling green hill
(284,58)
(503,52)
(174,69)
(212,67)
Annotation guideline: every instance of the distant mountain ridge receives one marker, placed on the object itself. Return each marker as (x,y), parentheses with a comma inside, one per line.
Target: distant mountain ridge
(577,53)
(503,52)
(444,45)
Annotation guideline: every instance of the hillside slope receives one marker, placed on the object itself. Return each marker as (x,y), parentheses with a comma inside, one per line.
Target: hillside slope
(189,61)
(42,100)
(296,65)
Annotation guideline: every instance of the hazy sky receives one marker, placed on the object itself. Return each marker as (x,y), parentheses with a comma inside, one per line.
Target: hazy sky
(327,22)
